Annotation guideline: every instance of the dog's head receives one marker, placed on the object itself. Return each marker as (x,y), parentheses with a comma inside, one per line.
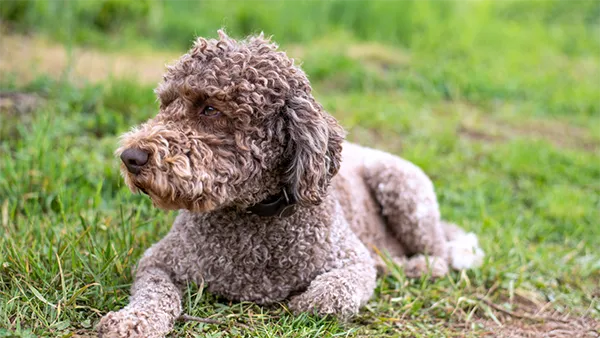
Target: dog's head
(237,124)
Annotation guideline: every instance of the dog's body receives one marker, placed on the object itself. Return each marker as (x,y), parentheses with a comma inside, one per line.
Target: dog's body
(237,176)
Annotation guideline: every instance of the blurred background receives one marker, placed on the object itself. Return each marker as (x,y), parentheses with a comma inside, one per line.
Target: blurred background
(498,101)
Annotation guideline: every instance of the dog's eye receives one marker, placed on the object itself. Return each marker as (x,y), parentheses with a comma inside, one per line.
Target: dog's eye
(210,111)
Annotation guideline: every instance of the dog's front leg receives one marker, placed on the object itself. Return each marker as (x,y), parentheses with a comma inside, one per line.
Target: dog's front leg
(341,291)
(155,301)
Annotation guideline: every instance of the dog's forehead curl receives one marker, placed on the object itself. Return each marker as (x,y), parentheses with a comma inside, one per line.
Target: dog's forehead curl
(248,72)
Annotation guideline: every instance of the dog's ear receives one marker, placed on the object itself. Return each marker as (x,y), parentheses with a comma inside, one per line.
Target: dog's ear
(314,149)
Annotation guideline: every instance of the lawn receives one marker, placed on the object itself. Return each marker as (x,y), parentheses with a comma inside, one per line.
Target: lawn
(499,102)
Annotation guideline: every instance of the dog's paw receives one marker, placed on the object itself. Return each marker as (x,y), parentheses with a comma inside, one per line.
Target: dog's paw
(465,252)
(326,300)
(132,323)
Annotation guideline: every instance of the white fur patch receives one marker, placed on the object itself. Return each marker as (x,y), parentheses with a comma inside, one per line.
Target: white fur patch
(465,252)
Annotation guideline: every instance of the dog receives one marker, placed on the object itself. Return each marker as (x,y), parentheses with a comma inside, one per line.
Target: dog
(274,204)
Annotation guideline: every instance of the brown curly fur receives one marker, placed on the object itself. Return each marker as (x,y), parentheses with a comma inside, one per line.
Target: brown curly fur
(270,135)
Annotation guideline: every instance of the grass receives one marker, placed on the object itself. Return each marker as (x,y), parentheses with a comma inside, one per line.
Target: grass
(498,101)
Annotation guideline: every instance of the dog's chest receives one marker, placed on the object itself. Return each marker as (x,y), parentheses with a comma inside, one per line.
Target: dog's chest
(260,262)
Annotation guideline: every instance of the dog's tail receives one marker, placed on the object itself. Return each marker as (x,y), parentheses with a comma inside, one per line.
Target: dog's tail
(463,248)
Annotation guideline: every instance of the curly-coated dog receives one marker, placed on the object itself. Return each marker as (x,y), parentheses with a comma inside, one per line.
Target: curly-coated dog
(274,204)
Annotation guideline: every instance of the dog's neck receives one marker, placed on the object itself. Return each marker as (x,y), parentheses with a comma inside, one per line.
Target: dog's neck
(280,205)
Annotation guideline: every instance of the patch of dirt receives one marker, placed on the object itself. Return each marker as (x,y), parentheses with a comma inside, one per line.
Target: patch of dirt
(28,57)
(577,327)
(374,55)
(382,140)
(487,128)
(560,134)
(15,103)
(378,56)
(530,316)
(477,135)
(16,110)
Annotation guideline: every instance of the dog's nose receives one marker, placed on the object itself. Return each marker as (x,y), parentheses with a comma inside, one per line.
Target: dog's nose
(134,159)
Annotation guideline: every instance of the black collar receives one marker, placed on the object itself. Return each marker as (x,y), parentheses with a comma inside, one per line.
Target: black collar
(280,205)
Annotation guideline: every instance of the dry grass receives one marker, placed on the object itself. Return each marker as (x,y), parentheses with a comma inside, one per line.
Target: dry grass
(32,56)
